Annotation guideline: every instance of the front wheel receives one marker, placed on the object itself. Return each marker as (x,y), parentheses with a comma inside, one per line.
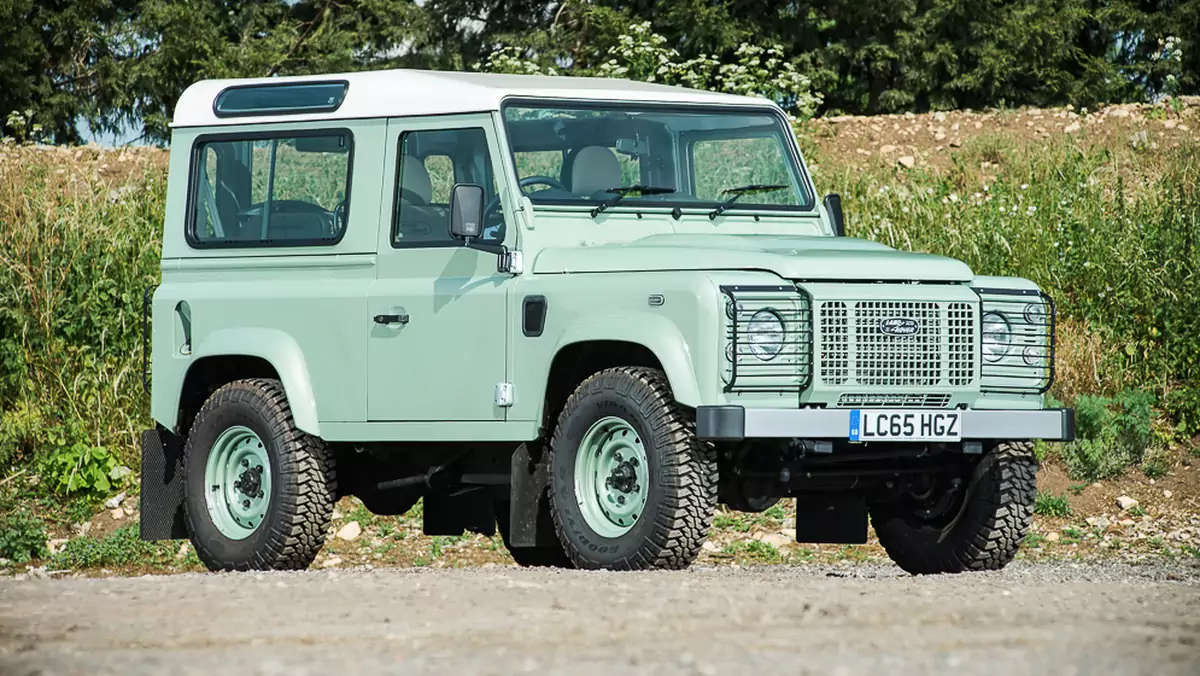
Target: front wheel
(974,523)
(631,486)
(258,492)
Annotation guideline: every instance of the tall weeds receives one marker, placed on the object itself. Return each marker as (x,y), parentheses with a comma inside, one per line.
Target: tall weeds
(79,242)
(1111,232)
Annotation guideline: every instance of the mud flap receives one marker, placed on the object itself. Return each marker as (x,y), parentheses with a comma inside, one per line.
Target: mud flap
(831,519)
(530,522)
(162,486)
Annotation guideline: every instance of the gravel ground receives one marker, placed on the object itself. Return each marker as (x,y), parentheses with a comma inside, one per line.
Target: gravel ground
(1031,618)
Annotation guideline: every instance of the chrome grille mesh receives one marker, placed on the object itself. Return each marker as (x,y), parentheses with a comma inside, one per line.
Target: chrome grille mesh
(887,360)
(960,355)
(940,348)
(835,343)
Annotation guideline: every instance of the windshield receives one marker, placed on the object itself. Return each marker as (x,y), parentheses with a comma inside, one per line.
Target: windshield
(601,155)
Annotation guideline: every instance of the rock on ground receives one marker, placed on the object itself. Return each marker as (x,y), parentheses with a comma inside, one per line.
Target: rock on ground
(350,531)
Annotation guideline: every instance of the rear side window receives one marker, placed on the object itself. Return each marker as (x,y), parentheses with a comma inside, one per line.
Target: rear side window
(271,190)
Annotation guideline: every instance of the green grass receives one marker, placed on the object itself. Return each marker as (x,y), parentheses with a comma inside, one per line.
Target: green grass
(1051,505)
(753,551)
(120,548)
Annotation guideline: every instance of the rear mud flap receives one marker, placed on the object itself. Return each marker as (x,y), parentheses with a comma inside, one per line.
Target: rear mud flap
(162,486)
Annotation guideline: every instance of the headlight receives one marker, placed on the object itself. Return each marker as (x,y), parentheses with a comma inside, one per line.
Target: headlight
(765,334)
(1034,355)
(1035,314)
(997,337)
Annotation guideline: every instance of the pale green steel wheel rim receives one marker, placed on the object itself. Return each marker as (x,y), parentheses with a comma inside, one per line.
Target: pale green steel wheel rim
(237,480)
(612,477)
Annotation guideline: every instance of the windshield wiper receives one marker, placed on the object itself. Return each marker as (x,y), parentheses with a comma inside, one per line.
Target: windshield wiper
(751,189)
(623,192)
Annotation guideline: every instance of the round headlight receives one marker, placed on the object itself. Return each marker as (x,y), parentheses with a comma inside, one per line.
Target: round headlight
(997,337)
(1033,355)
(1035,314)
(765,334)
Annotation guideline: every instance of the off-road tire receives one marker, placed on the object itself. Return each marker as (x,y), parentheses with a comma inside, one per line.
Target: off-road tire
(682,474)
(549,556)
(989,528)
(303,475)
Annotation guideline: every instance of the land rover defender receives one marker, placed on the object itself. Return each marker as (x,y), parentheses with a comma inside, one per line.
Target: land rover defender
(582,312)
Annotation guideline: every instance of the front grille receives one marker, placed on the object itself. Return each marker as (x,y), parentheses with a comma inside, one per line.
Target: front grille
(897,343)
(893,400)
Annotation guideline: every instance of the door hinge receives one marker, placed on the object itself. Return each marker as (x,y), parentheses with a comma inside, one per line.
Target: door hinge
(510,262)
(504,395)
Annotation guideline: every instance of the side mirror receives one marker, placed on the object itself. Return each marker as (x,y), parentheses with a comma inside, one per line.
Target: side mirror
(466,211)
(833,207)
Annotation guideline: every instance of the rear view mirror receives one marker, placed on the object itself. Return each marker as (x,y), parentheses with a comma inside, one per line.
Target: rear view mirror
(466,211)
(833,207)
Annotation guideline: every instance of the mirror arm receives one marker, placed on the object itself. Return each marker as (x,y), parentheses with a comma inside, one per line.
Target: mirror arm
(472,243)
(507,261)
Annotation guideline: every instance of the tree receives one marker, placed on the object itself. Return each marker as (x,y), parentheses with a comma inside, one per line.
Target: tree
(113,63)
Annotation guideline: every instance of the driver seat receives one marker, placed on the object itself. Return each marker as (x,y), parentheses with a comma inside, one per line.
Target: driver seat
(594,169)
(414,179)
(416,192)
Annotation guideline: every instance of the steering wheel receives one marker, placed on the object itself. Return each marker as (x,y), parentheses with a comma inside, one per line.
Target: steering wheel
(542,180)
(410,197)
(493,205)
(339,215)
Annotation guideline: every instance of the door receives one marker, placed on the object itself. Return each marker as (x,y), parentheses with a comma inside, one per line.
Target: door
(437,311)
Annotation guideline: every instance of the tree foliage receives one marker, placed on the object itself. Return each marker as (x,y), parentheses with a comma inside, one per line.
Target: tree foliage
(116,63)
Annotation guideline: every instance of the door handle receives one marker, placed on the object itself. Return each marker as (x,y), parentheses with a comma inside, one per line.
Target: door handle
(391,319)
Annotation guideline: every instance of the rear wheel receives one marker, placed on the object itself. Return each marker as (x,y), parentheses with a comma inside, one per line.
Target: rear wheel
(631,486)
(963,523)
(258,492)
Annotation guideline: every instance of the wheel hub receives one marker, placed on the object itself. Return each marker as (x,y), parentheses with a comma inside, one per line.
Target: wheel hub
(624,477)
(237,475)
(611,478)
(249,483)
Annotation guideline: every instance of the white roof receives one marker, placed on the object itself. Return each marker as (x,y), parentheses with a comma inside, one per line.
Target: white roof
(394,93)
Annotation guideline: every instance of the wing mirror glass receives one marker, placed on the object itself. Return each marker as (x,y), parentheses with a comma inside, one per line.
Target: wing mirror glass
(833,207)
(466,211)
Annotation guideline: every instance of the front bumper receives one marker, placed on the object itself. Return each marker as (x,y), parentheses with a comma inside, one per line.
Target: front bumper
(734,423)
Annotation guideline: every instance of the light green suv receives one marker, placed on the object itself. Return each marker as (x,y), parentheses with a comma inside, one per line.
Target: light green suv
(582,312)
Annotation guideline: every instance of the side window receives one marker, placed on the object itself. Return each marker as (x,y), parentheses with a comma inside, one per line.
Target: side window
(285,190)
(725,163)
(430,164)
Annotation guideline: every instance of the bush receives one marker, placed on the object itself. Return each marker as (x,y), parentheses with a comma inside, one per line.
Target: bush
(75,467)
(22,537)
(1112,434)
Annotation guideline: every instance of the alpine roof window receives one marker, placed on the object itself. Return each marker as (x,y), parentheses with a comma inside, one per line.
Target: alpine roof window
(308,97)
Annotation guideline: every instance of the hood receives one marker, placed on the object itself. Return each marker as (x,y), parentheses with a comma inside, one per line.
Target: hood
(800,258)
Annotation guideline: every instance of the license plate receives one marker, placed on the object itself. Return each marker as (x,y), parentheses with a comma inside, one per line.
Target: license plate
(905,425)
